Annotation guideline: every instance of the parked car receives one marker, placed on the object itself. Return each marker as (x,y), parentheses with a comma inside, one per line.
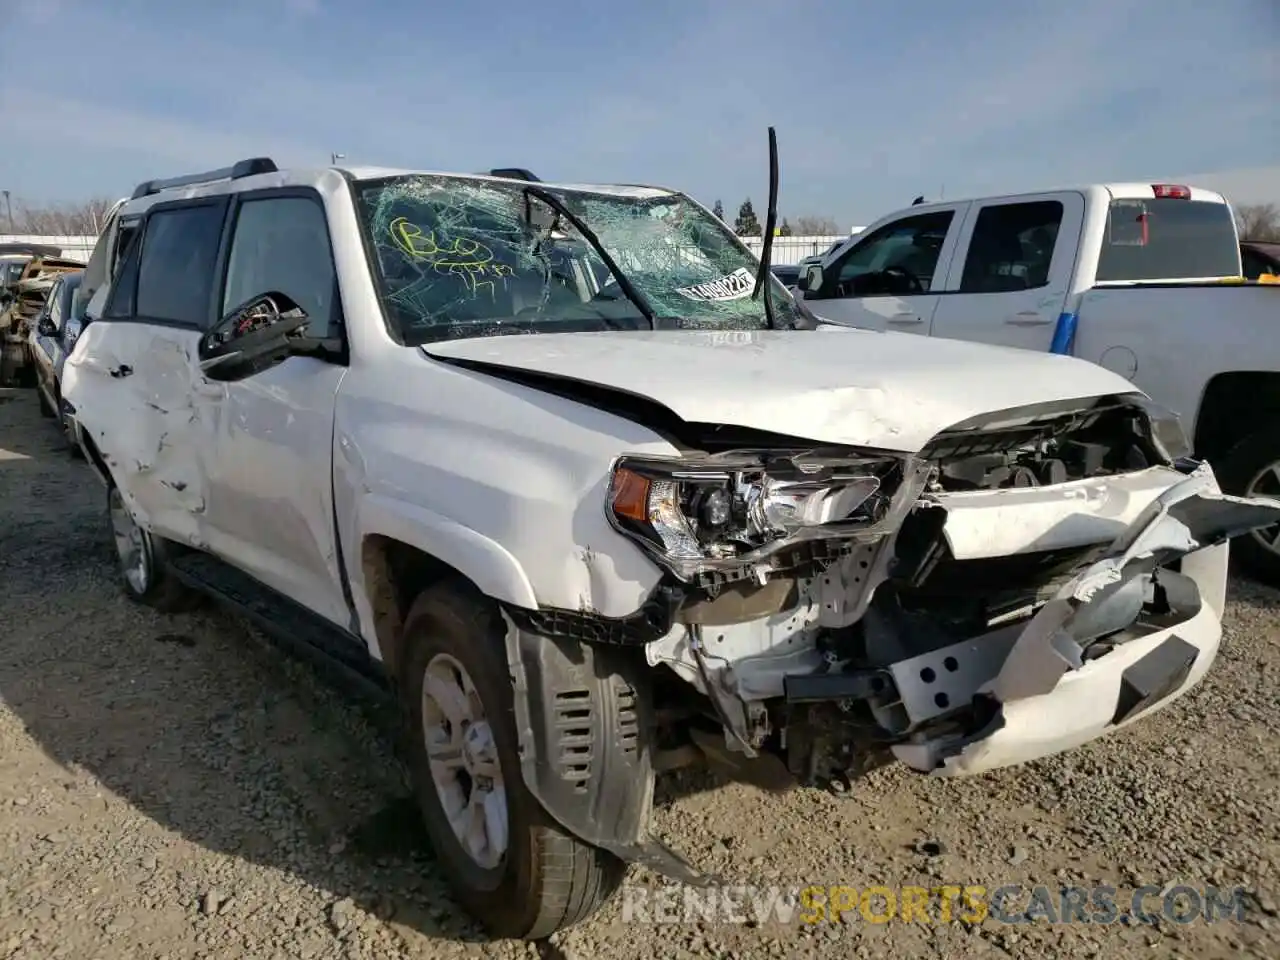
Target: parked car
(667,522)
(20,300)
(1260,258)
(53,335)
(1144,279)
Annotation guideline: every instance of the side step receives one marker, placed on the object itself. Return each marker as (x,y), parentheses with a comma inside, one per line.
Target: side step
(339,656)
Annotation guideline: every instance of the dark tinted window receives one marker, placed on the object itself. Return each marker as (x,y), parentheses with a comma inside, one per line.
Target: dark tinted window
(175,273)
(124,285)
(1257,262)
(1012,247)
(1168,239)
(129,231)
(281,245)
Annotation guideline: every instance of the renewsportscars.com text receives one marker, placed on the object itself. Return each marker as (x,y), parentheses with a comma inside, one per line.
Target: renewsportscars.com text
(972,903)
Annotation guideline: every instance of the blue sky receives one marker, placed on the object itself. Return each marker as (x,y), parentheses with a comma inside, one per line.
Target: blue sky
(874,103)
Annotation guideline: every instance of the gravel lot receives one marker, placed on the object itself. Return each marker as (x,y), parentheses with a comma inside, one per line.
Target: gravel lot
(171,787)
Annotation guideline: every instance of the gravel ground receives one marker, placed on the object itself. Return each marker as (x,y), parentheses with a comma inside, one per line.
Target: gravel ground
(171,787)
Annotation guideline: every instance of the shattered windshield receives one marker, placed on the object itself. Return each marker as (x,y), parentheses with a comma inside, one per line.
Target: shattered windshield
(464,257)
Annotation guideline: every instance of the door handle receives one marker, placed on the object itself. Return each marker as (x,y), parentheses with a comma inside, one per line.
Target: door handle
(1027,318)
(905,318)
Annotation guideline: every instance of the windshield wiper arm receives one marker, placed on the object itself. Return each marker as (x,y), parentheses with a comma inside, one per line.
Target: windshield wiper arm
(763,280)
(552,201)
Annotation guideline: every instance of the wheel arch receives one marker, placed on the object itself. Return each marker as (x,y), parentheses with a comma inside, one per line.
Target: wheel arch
(1232,407)
(404,549)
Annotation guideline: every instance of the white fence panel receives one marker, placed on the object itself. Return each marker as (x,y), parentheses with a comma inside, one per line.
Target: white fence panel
(74,248)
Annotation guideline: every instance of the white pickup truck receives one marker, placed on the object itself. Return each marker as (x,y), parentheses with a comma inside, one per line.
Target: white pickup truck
(1143,279)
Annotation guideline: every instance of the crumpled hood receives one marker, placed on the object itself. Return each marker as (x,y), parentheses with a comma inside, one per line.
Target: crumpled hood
(835,385)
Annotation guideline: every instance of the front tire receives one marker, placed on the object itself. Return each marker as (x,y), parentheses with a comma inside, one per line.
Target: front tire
(1252,469)
(510,865)
(141,563)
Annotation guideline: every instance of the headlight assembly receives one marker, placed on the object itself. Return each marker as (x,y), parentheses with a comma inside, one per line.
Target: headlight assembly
(718,513)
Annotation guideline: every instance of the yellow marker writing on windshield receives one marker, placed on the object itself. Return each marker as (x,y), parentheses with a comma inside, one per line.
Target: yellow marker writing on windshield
(462,256)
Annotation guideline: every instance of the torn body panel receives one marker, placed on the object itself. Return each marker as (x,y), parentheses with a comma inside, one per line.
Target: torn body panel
(873,653)
(131,387)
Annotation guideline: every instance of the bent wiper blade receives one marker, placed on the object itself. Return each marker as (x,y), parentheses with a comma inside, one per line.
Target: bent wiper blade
(766,245)
(552,201)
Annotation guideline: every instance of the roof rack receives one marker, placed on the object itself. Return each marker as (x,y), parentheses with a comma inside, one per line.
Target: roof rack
(245,168)
(514,173)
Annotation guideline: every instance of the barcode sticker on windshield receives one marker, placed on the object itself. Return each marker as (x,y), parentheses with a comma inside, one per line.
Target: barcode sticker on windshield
(733,287)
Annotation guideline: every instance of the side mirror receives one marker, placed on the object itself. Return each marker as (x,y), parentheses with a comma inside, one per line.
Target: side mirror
(811,279)
(45,327)
(255,335)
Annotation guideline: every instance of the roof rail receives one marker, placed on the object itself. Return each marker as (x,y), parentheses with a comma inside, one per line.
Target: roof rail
(245,168)
(514,173)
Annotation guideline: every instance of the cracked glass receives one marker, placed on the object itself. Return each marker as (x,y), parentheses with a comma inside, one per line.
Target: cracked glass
(469,257)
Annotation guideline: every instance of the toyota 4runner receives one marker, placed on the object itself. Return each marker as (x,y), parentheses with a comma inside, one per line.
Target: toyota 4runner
(534,458)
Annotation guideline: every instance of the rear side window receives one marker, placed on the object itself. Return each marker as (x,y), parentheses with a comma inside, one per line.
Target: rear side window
(175,271)
(1012,247)
(1168,239)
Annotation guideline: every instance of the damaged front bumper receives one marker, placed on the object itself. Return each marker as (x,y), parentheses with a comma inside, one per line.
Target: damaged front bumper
(1133,631)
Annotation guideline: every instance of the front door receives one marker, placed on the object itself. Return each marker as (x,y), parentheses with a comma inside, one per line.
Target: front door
(268,467)
(885,279)
(1013,274)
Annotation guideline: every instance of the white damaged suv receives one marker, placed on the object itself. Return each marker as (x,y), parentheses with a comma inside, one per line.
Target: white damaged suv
(534,459)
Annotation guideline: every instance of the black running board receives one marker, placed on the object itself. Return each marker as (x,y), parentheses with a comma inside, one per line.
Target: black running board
(341,657)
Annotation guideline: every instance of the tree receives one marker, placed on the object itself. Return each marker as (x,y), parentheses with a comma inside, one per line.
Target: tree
(813,226)
(785,230)
(747,225)
(718,210)
(85,218)
(1258,221)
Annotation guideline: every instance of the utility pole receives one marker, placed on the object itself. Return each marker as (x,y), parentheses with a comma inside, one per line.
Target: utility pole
(8,208)
(335,157)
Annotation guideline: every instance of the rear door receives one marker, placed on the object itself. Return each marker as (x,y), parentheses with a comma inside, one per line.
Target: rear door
(1012,278)
(135,382)
(886,278)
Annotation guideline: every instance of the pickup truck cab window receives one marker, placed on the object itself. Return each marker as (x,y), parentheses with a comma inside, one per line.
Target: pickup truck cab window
(1012,247)
(901,257)
(1167,239)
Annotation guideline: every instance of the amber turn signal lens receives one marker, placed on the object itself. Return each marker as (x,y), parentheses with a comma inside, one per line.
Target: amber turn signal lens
(630,495)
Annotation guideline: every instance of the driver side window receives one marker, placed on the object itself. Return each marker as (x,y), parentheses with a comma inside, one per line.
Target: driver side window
(281,245)
(909,248)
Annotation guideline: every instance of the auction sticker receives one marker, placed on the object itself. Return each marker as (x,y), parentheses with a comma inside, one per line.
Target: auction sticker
(735,286)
